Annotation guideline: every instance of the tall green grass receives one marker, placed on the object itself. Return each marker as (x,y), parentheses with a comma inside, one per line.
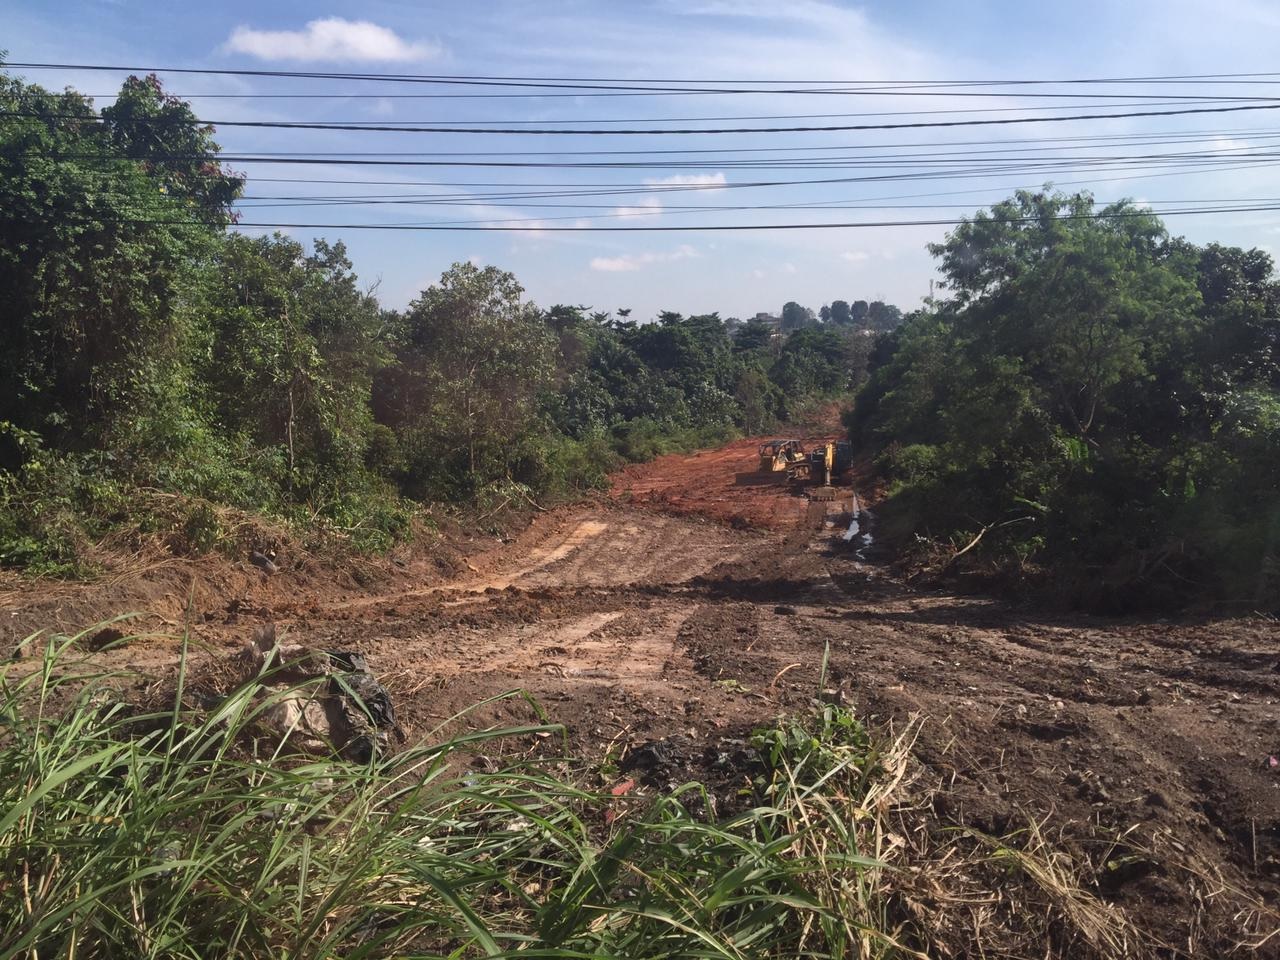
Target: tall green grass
(169,834)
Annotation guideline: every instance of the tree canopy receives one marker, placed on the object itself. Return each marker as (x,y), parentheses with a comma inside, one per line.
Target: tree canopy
(1093,396)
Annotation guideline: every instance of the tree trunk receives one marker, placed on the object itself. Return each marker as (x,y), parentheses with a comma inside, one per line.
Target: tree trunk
(288,430)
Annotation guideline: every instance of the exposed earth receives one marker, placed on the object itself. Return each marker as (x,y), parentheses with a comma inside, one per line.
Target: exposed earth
(695,600)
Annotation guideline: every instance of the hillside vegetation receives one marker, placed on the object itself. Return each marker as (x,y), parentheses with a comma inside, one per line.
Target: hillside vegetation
(1094,403)
(161,367)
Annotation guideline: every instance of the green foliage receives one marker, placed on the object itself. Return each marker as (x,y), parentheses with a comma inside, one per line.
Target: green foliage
(796,317)
(181,832)
(160,368)
(815,745)
(562,466)
(472,361)
(1085,399)
(291,352)
(96,252)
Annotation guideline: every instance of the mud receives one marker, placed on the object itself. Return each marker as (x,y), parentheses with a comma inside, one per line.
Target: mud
(722,484)
(663,622)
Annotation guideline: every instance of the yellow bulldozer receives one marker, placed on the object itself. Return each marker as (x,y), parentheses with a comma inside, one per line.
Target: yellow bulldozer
(824,462)
(778,455)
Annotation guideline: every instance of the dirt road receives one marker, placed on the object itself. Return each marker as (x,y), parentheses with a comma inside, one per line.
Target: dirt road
(693,603)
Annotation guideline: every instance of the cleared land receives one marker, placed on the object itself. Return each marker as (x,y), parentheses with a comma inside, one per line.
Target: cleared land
(696,600)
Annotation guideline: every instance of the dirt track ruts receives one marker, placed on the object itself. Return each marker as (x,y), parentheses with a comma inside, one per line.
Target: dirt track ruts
(636,618)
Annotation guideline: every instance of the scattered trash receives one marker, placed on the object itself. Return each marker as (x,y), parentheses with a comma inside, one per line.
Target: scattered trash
(263,562)
(350,713)
(104,638)
(1272,762)
(855,529)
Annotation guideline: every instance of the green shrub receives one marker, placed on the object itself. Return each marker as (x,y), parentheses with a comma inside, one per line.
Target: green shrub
(180,833)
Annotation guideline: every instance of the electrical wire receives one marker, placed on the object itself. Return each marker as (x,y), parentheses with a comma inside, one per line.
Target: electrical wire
(657,131)
(690,227)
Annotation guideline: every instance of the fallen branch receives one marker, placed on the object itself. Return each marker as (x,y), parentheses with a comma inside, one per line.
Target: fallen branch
(531,501)
(974,542)
(778,676)
(486,516)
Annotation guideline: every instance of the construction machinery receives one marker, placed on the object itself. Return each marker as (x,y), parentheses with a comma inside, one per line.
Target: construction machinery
(824,462)
(778,455)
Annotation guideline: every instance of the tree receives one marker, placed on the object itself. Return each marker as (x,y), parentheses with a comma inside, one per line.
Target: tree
(796,317)
(95,279)
(1089,396)
(479,357)
(812,362)
(882,316)
(294,345)
(758,399)
(1241,340)
(173,147)
(1088,304)
(755,334)
(840,313)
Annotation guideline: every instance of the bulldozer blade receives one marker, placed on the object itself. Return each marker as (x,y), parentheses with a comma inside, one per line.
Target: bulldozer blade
(822,493)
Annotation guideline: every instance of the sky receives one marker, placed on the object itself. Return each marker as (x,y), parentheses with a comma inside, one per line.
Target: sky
(921,173)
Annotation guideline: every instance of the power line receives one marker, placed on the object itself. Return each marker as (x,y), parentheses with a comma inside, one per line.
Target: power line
(1147,207)
(697,227)
(713,155)
(1022,108)
(656,131)
(548,191)
(915,168)
(525,80)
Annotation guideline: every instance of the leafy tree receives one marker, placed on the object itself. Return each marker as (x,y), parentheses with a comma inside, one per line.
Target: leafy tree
(759,399)
(812,362)
(1087,304)
(754,335)
(96,248)
(177,151)
(1085,397)
(796,317)
(293,348)
(477,358)
(882,316)
(841,315)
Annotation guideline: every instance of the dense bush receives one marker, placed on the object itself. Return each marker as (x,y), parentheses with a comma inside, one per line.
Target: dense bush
(186,832)
(1099,400)
(153,354)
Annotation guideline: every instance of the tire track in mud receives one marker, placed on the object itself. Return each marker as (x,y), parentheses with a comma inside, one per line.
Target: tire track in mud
(627,623)
(587,615)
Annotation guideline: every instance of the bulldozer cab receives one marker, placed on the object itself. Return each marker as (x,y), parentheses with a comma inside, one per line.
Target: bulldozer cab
(776,454)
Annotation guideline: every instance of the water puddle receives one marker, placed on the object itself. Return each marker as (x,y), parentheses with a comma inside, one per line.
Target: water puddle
(855,529)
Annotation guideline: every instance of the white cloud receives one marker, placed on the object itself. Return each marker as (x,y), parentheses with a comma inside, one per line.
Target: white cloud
(332,38)
(812,12)
(708,181)
(788,268)
(649,207)
(855,256)
(634,261)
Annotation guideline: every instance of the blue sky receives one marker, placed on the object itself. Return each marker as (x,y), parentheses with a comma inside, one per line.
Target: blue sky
(734,273)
